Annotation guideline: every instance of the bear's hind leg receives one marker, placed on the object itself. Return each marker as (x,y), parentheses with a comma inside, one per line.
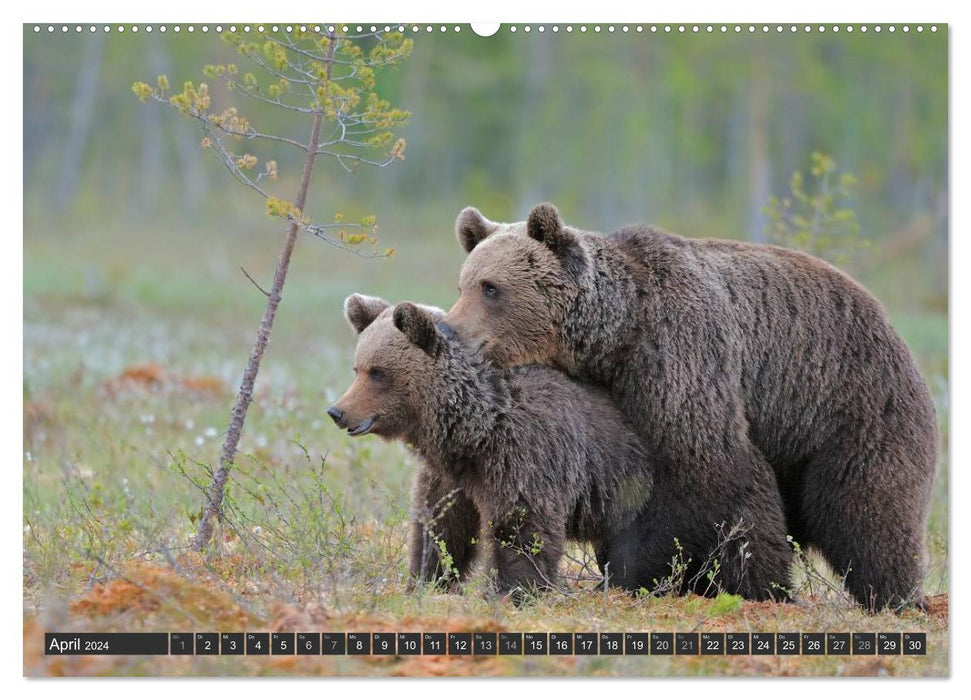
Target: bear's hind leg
(747,552)
(864,506)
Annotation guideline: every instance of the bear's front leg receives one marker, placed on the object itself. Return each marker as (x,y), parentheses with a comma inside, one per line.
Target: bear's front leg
(526,550)
(444,529)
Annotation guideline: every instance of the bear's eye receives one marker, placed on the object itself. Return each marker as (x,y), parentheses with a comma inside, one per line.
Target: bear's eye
(376,374)
(489,290)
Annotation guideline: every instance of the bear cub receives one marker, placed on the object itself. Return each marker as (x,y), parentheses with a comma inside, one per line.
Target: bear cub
(516,461)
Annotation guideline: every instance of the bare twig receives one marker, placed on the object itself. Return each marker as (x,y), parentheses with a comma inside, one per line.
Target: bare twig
(255,283)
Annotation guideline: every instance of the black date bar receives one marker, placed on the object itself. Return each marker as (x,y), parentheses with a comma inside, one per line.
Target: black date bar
(106,643)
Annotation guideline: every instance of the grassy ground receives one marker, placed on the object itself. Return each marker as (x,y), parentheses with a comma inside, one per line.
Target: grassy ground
(133,346)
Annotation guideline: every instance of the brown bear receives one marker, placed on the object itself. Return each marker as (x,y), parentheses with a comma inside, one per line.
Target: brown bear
(529,455)
(733,360)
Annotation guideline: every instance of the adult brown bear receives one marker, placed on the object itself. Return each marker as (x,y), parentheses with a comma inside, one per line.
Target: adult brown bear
(731,359)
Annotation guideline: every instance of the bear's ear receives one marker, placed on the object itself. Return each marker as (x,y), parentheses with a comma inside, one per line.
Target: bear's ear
(471,228)
(417,326)
(544,225)
(360,310)
(434,312)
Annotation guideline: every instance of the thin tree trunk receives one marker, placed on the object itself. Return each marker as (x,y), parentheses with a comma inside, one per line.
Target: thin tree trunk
(191,172)
(758,147)
(152,170)
(82,114)
(228,455)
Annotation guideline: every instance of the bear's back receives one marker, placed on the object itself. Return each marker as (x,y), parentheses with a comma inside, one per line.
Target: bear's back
(812,350)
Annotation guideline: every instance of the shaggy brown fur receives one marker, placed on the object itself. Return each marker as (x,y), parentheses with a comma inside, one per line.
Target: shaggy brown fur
(532,456)
(737,363)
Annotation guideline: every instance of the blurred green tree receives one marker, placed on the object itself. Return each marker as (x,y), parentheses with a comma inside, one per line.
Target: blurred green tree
(327,79)
(816,218)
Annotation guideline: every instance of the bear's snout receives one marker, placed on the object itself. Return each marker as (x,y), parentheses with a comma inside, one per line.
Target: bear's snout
(337,415)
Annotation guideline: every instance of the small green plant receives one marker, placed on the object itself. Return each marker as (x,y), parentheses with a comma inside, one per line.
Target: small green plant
(816,216)
(537,545)
(449,571)
(674,582)
(725,604)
